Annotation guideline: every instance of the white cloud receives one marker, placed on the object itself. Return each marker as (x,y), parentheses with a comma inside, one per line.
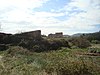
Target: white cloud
(85,16)
(18,15)
(18,7)
(13,12)
(48,14)
(22,4)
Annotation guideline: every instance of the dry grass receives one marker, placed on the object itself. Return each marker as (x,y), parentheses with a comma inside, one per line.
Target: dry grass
(17,61)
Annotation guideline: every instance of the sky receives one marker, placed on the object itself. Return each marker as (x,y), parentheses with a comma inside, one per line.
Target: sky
(50,16)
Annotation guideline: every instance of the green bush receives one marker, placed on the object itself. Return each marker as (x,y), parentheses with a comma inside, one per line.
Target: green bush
(95,42)
(17,50)
(37,48)
(72,67)
(19,61)
(80,42)
(57,44)
(43,45)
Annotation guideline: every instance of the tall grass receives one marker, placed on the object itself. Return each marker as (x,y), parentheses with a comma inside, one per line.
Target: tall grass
(18,61)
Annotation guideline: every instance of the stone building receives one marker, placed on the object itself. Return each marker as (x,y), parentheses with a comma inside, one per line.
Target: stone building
(56,35)
(51,35)
(59,35)
(32,34)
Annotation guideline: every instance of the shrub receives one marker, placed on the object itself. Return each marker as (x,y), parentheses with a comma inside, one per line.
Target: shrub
(16,50)
(80,42)
(56,44)
(3,47)
(95,41)
(37,48)
(70,67)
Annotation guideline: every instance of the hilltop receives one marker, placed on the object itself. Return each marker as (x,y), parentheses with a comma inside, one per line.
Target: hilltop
(32,40)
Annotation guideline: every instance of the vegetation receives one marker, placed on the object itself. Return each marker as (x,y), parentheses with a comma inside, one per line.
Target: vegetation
(33,44)
(80,42)
(21,55)
(93,36)
(19,61)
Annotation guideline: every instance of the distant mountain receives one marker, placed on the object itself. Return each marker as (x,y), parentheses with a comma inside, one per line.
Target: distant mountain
(66,35)
(89,36)
(77,35)
(94,36)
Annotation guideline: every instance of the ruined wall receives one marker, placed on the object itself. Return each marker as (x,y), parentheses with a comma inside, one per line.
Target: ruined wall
(33,34)
(59,35)
(51,35)
(56,35)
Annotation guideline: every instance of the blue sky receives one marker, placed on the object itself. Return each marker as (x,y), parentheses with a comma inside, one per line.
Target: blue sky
(50,16)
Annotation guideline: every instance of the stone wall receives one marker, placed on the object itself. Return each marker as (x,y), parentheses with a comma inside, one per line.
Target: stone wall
(51,35)
(32,34)
(56,35)
(59,35)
